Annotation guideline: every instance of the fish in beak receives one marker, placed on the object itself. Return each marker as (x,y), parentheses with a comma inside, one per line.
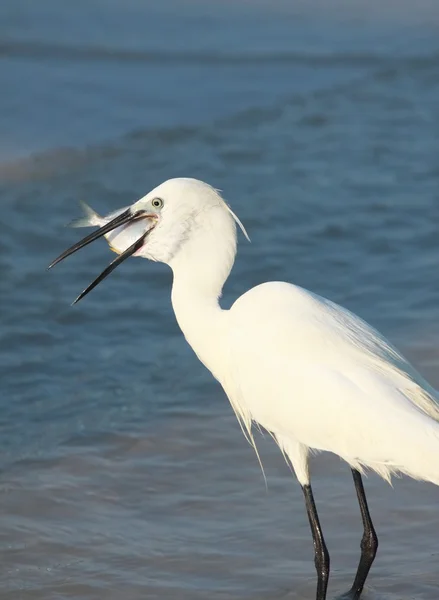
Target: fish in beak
(123,220)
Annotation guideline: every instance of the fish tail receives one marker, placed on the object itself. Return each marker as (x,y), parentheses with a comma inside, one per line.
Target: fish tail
(90,219)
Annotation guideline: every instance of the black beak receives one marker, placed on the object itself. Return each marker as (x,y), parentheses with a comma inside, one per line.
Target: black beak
(122,219)
(126,217)
(117,261)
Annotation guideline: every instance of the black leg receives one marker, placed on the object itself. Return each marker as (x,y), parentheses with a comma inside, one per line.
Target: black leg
(321,556)
(369,541)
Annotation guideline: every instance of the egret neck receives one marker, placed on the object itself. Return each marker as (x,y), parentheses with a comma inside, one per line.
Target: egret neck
(200,268)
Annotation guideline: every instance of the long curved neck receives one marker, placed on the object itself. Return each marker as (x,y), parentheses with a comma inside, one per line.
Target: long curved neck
(200,270)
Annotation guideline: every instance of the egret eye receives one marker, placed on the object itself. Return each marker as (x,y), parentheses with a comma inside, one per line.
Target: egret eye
(157,202)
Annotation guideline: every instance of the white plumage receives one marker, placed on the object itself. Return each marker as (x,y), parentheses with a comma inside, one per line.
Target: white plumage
(313,374)
(325,380)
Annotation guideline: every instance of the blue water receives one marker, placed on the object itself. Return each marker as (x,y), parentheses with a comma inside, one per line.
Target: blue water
(124,473)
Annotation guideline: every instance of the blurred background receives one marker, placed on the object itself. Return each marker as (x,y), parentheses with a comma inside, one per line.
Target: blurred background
(124,473)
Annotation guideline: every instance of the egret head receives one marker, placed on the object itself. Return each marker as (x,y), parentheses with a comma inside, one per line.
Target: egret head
(182,221)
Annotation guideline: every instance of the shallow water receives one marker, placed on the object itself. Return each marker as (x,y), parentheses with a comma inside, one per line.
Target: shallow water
(124,473)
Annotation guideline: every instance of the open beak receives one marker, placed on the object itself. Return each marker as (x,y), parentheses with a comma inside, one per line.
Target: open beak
(122,219)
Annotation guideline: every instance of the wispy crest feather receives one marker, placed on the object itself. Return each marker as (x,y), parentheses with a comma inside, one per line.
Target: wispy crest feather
(234,216)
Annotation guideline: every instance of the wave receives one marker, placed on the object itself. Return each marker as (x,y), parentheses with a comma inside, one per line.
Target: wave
(37,49)
(156,141)
(55,161)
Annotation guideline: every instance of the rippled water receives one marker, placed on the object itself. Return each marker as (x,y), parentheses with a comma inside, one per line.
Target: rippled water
(124,473)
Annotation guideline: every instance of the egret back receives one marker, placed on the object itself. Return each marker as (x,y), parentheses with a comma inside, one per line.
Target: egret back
(313,373)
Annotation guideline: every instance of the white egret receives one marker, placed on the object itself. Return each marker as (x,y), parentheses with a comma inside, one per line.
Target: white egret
(311,373)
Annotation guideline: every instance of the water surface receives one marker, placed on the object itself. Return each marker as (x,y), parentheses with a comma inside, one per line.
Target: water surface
(123,471)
